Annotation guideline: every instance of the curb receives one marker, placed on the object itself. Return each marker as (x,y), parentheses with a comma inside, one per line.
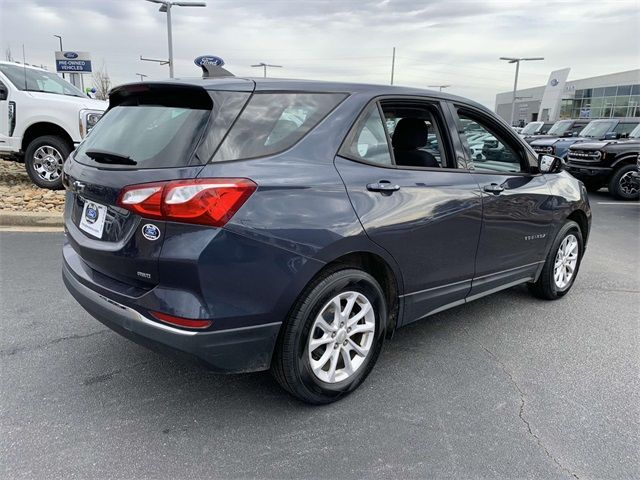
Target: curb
(31,219)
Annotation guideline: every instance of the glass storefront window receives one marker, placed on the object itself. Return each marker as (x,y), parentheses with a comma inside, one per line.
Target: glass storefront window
(598,92)
(610,91)
(624,90)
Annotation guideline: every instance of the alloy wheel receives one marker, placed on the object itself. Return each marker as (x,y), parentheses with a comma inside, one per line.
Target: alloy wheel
(341,337)
(566,261)
(628,184)
(48,163)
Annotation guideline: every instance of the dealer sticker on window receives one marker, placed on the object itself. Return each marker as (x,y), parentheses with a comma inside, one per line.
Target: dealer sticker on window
(93,218)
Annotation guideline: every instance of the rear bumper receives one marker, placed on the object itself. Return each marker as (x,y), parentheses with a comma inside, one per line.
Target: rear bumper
(244,349)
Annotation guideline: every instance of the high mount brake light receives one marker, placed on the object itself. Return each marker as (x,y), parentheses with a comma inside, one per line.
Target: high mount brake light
(205,201)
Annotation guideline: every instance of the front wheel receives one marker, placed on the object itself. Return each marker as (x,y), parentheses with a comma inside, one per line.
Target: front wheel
(561,265)
(624,185)
(44,158)
(332,338)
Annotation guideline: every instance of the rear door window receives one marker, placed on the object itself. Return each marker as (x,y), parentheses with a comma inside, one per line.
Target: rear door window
(274,122)
(368,139)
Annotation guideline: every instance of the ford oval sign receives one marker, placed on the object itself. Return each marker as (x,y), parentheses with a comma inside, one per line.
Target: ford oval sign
(150,232)
(70,55)
(554,82)
(208,60)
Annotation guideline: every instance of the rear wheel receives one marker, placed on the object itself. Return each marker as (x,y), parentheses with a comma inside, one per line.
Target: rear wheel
(623,184)
(44,159)
(561,265)
(332,338)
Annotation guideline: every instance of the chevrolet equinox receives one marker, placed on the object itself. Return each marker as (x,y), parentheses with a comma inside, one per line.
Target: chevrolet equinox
(294,225)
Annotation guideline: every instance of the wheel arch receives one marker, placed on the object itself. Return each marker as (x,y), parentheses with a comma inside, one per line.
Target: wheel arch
(582,220)
(625,159)
(40,129)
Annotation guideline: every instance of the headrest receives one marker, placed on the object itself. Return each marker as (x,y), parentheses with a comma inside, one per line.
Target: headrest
(410,133)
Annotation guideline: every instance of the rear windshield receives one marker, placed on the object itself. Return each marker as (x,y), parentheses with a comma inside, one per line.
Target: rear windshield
(152,136)
(273,122)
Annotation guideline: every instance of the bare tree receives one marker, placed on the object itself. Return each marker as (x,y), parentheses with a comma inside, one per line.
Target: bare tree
(102,82)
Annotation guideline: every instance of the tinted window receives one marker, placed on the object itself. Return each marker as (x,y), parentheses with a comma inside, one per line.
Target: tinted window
(368,140)
(273,122)
(488,149)
(152,136)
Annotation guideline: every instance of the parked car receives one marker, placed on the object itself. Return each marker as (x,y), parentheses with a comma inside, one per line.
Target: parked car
(562,128)
(610,163)
(535,128)
(602,129)
(42,119)
(191,229)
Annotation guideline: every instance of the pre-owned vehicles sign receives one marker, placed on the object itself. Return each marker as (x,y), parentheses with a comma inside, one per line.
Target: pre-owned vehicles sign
(78,62)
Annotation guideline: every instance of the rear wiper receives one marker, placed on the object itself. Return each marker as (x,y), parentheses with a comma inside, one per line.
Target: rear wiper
(104,156)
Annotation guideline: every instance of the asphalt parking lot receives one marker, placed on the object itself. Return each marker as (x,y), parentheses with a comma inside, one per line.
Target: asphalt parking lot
(506,387)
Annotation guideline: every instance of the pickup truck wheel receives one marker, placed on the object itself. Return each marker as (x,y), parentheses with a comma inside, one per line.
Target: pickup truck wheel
(623,185)
(332,338)
(44,159)
(561,265)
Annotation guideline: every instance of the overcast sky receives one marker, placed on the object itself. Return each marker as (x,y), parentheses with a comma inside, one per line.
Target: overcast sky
(438,41)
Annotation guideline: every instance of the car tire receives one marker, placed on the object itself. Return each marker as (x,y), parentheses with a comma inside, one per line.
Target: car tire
(552,282)
(622,184)
(44,158)
(311,374)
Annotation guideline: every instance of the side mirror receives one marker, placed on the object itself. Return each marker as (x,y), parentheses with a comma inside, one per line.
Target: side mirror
(549,163)
(611,136)
(4,93)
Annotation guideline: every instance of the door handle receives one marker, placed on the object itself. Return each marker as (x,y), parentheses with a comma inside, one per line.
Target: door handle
(383,186)
(493,188)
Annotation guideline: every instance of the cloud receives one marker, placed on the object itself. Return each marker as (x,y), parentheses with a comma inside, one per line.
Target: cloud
(438,41)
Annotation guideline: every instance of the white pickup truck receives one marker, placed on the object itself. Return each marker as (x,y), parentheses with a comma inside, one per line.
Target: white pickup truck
(42,119)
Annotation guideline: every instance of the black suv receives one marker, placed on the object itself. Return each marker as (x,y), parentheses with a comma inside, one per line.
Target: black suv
(611,163)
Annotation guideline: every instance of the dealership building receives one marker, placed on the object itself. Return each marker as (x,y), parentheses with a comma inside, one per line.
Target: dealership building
(605,96)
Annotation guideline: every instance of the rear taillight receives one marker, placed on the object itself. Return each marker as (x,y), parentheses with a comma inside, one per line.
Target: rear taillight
(206,201)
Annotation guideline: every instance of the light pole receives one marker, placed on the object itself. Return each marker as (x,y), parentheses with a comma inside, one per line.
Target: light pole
(264,67)
(142,76)
(439,87)
(515,82)
(165,6)
(60,38)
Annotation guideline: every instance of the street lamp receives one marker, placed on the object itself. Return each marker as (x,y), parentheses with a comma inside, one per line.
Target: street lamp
(142,76)
(60,38)
(264,67)
(165,6)
(439,87)
(515,83)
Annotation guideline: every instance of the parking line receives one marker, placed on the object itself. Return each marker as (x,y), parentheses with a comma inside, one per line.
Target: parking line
(619,203)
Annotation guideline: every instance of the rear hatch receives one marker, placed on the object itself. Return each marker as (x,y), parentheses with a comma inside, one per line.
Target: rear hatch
(152,132)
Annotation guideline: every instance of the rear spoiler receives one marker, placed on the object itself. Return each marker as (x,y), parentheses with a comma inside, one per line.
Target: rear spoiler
(211,70)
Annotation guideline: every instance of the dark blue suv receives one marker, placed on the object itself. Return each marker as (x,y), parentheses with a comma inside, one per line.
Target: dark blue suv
(294,225)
